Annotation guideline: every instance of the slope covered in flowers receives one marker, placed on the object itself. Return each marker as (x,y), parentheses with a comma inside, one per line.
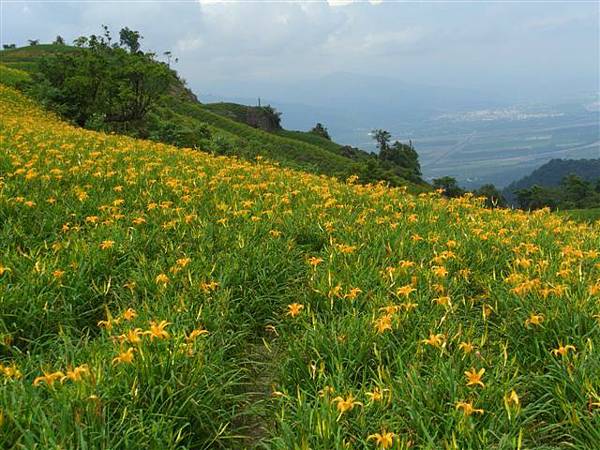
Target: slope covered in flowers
(153,297)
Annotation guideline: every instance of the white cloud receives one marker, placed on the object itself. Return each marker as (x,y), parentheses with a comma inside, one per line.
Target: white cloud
(294,40)
(340,2)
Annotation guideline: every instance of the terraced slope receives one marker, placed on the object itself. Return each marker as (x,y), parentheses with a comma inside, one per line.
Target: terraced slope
(153,297)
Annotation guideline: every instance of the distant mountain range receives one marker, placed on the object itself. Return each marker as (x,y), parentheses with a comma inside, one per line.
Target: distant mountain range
(552,173)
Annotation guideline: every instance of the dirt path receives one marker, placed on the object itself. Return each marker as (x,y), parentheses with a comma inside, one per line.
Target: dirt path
(254,421)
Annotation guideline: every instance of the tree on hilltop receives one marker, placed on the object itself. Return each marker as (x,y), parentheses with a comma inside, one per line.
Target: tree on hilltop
(104,85)
(130,39)
(320,130)
(382,137)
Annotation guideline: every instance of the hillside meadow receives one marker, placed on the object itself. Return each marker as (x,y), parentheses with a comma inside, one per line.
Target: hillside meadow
(163,298)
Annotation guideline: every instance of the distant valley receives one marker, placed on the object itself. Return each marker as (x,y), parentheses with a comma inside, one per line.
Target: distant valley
(469,135)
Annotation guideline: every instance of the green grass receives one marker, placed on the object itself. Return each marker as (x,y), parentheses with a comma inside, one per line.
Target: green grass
(232,111)
(10,76)
(582,215)
(311,290)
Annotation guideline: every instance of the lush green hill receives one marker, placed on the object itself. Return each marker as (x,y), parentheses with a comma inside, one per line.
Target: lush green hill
(552,173)
(230,135)
(163,298)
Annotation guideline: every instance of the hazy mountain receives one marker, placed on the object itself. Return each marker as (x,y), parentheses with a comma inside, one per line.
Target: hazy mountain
(344,101)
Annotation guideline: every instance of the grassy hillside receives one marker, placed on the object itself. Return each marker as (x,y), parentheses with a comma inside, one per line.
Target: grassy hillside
(26,58)
(239,113)
(157,297)
(9,76)
(278,148)
(233,137)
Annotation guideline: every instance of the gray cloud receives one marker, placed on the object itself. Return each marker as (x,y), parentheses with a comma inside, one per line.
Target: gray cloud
(488,45)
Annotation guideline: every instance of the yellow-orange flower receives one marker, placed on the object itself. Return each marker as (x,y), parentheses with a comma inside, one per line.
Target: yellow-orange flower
(383,440)
(466,347)
(105,245)
(162,279)
(512,399)
(129,314)
(405,290)
(435,340)
(346,404)
(468,409)
(534,319)
(195,333)
(157,330)
(76,374)
(563,350)
(383,323)
(294,309)
(474,378)
(48,378)
(125,357)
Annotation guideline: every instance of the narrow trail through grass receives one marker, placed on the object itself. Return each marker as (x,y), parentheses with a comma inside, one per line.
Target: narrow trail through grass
(255,421)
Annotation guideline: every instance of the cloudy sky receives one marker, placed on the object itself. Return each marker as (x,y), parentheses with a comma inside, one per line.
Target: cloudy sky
(506,47)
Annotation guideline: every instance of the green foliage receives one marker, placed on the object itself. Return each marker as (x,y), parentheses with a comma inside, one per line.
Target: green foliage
(102,83)
(552,173)
(130,39)
(382,137)
(573,193)
(13,77)
(398,157)
(582,215)
(402,155)
(493,197)
(320,130)
(178,133)
(265,118)
(449,186)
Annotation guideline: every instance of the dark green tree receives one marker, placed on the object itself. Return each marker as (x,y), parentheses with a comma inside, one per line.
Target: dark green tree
(320,130)
(33,42)
(537,197)
(382,137)
(402,155)
(576,192)
(493,197)
(102,86)
(130,39)
(59,40)
(273,117)
(449,185)
(81,41)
